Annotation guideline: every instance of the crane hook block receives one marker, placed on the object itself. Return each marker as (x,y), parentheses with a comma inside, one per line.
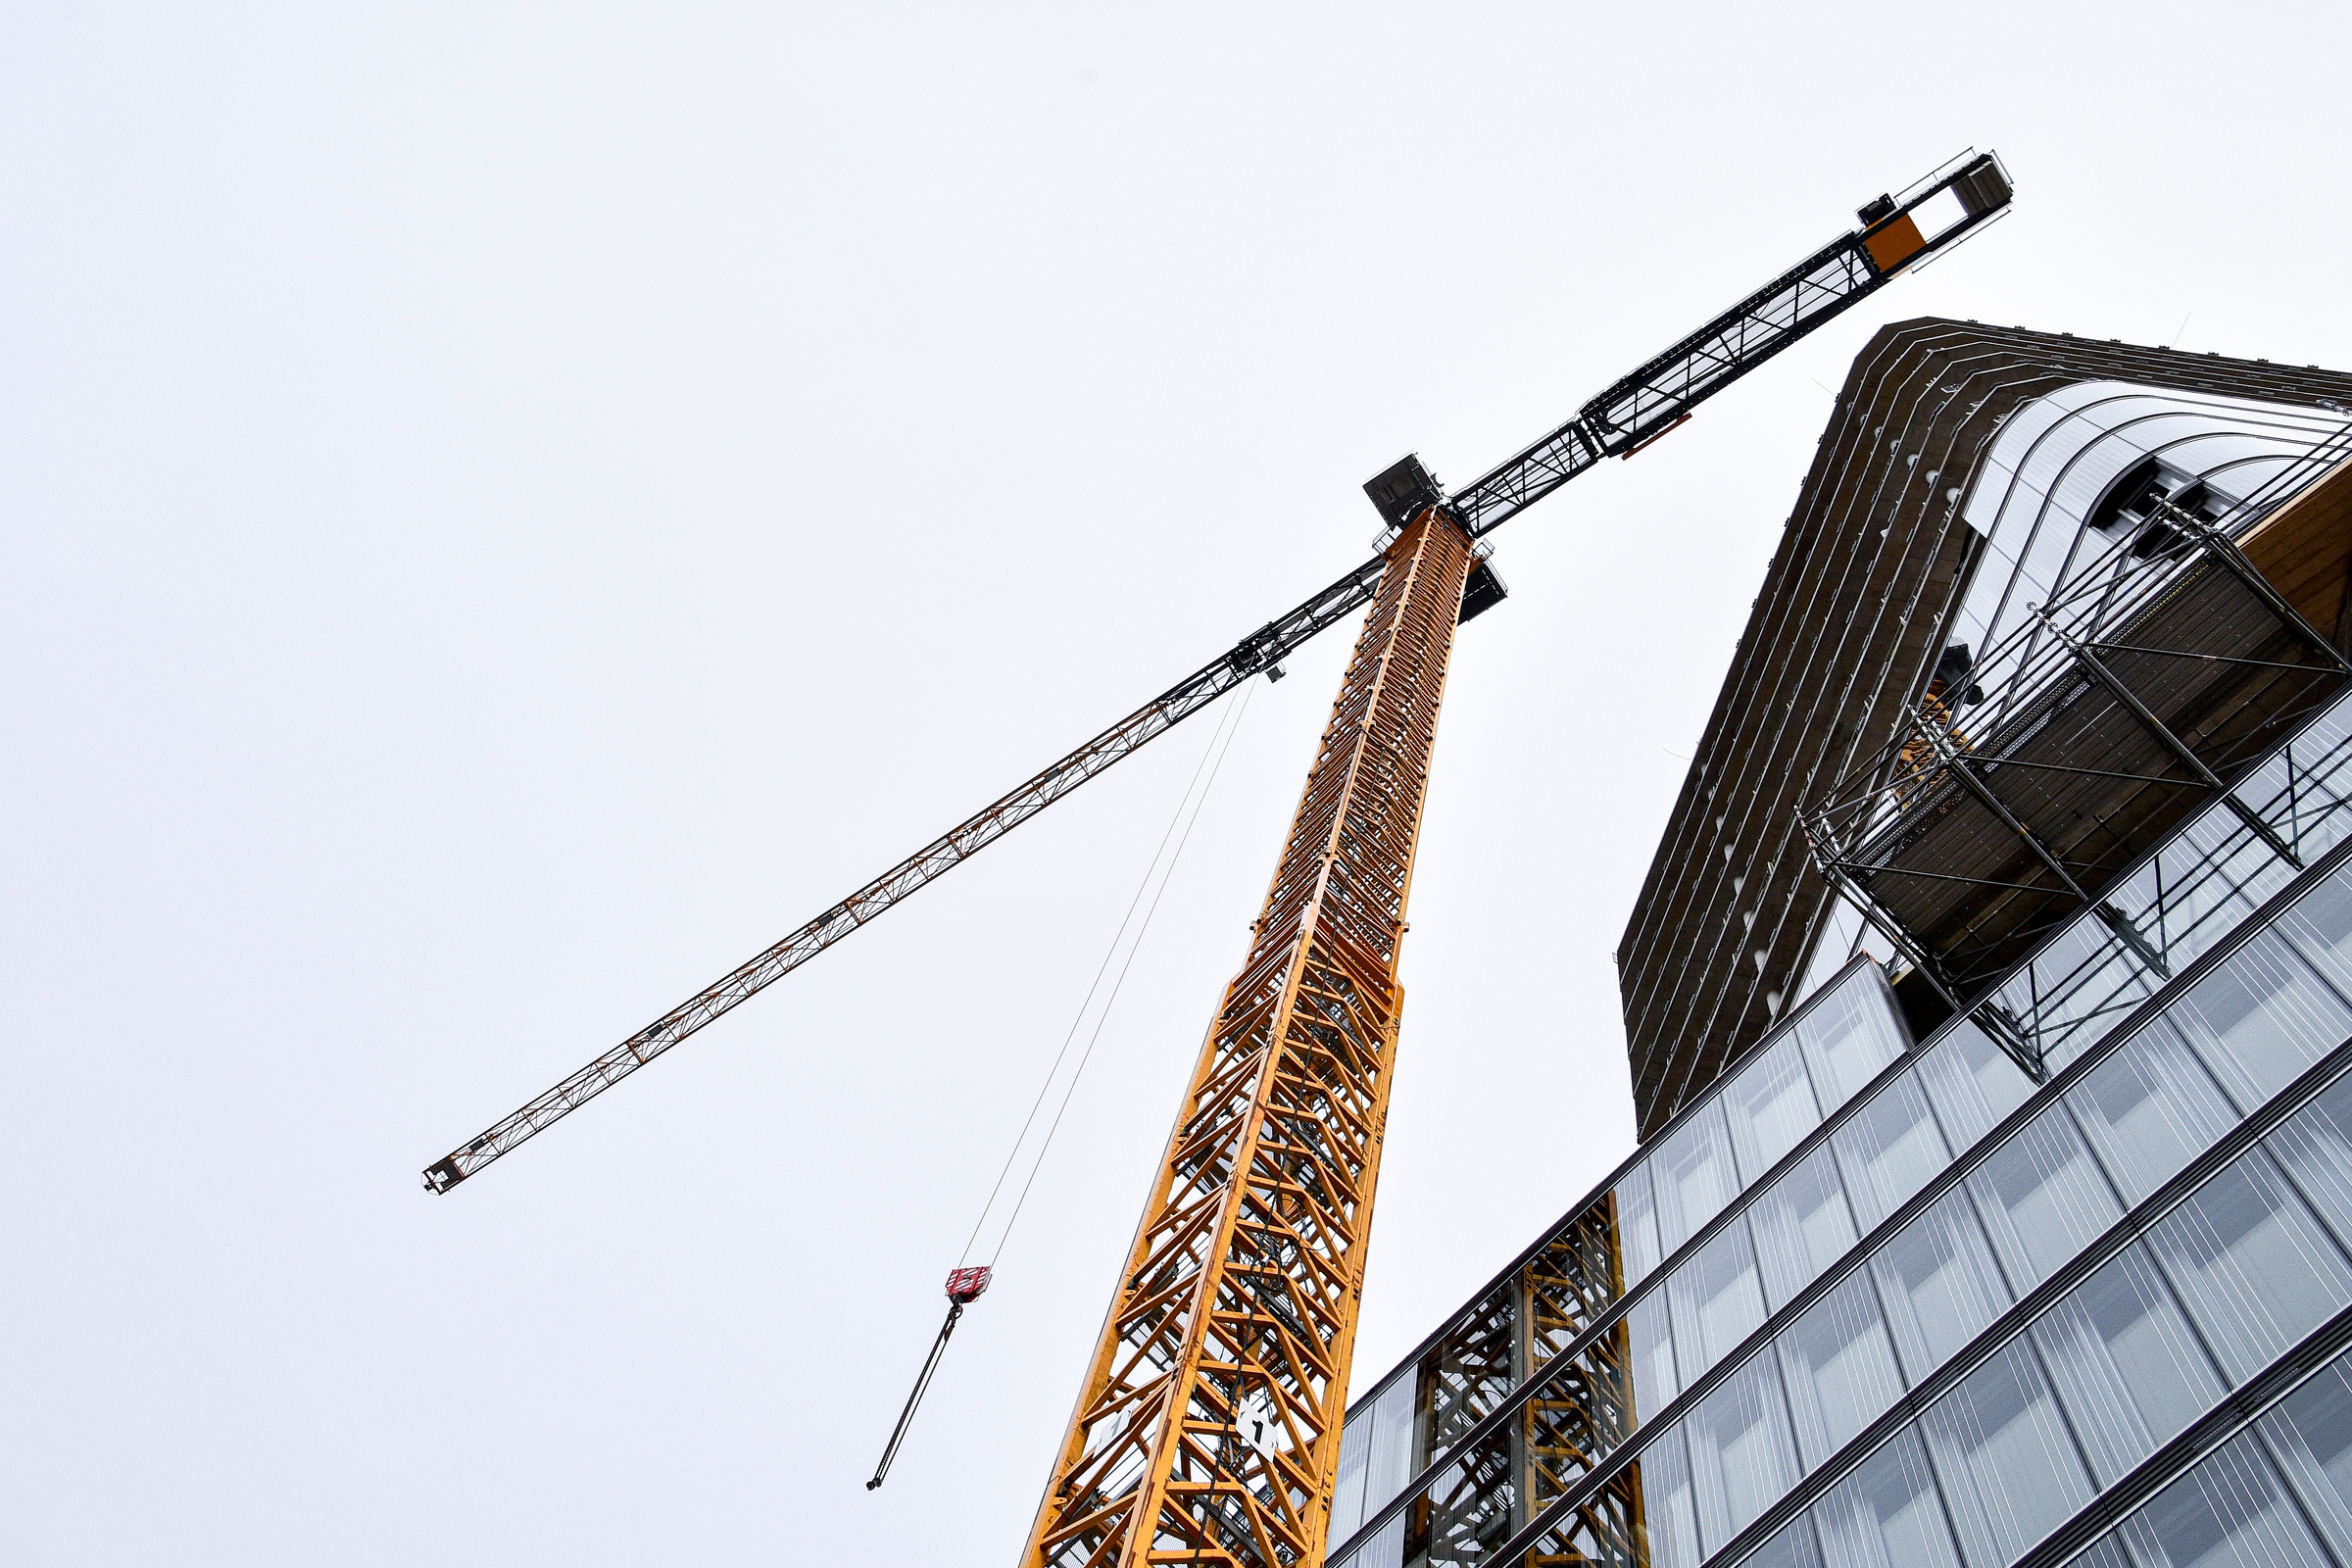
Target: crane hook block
(966,1285)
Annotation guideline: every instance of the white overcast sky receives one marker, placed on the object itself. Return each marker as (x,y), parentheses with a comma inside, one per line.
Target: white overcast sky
(510,510)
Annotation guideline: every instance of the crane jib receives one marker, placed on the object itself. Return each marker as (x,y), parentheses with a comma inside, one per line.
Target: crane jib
(1638,407)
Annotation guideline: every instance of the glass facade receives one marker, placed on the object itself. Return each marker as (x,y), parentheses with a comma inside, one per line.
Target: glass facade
(1877,1300)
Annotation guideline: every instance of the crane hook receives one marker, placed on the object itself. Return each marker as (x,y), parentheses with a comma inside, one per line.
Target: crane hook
(964,1286)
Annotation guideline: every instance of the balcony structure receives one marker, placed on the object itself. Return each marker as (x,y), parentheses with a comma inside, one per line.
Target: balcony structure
(1914,530)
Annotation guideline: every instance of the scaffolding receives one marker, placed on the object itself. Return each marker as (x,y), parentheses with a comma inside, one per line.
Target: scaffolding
(2157,674)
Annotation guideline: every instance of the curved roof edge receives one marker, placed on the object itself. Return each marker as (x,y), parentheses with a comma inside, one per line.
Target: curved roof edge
(1843,631)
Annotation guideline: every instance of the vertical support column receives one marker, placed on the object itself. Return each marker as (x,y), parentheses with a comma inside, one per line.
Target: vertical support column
(1208,1430)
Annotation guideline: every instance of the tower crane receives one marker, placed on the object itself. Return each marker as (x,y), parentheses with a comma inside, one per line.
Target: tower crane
(1208,1428)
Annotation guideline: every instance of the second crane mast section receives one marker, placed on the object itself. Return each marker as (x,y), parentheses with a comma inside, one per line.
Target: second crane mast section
(1209,1427)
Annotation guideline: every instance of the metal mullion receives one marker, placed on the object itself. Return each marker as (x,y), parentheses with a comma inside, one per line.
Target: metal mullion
(1946,876)
(2213,659)
(2088,773)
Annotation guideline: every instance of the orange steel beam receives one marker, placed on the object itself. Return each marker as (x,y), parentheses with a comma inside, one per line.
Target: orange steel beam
(1208,1430)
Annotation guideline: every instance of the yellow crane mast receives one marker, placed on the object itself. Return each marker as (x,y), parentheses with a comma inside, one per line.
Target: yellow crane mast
(1208,1428)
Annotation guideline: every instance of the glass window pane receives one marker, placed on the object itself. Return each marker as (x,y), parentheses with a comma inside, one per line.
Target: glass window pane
(1715,1300)
(1636,1225)
(2187,898)
(1741,1461)
(2228,1512)
(1971,1083)
(1386,1548)
(1771,1106)
(2319,925)
(2128,1367)
(1849,1037)
(2260,1020)
(2315,1145)
(1652,1350)
(1389,1464)
(2252,1266)
(1669,1516)
(1347,1492)
(1886,1514)
(1791,1547)
(2077,989)
(2311,1436)
(2105,1552)
(2150,1109)
(2008,1468)
(1889,1151)
(1801,1226)
(2222,872)
(2318,819)
(1693,1176)
(1388,1429)
(2041,1199)
(1466,1371)
(1938,1283)
(1838,1364)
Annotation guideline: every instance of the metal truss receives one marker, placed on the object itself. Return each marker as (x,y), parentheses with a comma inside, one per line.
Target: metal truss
(1652,400)
(2061,675)
(1497,1475)
(1207,1429)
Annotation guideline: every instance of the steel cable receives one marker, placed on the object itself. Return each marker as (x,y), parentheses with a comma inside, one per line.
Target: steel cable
(1196,797)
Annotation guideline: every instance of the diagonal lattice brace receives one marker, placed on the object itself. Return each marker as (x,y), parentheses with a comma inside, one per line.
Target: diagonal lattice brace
(1209,1427)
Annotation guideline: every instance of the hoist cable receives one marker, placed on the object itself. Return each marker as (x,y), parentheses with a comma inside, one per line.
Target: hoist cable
(1103,1016)
(1212,758)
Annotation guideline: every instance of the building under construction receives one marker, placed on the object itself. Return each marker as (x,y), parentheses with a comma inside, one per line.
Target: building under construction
(1988,1004)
